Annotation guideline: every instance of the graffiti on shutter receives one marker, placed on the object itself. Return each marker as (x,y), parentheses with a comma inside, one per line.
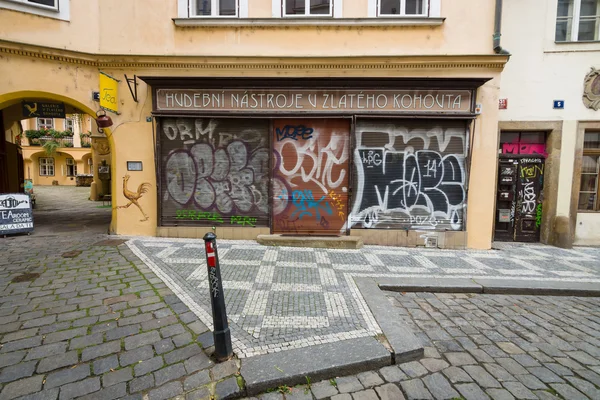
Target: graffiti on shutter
(409,175)
(214,171)
(310,177)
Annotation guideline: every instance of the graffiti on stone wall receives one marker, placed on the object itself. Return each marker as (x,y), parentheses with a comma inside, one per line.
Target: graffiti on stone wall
(409,178)
(310,181)
(216,166)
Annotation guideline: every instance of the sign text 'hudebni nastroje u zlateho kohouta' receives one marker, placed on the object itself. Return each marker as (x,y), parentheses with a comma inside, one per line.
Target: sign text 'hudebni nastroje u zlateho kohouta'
(267,100)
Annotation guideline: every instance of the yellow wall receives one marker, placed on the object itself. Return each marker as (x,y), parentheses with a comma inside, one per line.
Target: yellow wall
(131,38)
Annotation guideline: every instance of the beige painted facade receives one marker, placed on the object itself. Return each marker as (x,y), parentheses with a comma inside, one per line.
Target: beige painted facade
(350,45)
(541,71)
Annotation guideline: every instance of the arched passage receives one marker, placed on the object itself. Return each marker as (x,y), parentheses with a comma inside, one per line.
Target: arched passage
(65,161)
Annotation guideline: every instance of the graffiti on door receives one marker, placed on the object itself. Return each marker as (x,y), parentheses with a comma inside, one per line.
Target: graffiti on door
(530,182)
(215,166)
(409,176)
(310,179)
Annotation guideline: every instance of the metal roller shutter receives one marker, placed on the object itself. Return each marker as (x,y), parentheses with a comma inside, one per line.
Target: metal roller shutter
(214,171)
(409,174)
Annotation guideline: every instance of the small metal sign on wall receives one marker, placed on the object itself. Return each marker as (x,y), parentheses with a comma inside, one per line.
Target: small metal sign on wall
(38,109)
(15,214)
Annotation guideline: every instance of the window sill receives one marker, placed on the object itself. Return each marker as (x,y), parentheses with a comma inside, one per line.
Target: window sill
(289,21)
(588,211)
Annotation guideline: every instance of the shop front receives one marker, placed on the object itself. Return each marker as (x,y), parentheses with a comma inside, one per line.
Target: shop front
(315,157)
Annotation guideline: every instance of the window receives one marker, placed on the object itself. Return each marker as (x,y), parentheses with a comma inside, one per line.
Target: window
(46,166)
(58,9)
(214,8)
(307,8)
(577,20)
(45,123)
(590,168)
(402,7)
(69,124)
(71,167)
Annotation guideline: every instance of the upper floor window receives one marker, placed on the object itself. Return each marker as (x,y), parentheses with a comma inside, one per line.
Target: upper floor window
(308,8)
(69,124)
(58,9)
(577,20)
(214,8)
(45,123)
(402,7)
(590,171)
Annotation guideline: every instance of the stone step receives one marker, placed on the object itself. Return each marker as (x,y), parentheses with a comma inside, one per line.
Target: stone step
(323,242)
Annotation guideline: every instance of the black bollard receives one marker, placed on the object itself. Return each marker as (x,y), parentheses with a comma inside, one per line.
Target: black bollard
(221,334)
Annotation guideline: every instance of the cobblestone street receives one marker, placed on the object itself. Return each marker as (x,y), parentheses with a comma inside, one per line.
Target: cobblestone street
(482,347)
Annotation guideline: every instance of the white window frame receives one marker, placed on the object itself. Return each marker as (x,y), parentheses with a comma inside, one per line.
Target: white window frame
(307,10)
(60,11)
(44,125)
(69,121)
(46,165)
(402,12)
(186,9)
(71,163)
(434,8)
(575,21)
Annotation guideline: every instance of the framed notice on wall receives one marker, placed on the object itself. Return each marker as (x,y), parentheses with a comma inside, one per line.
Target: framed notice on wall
(15,213)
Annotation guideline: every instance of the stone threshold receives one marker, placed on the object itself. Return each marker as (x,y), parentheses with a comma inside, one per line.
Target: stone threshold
(322,242)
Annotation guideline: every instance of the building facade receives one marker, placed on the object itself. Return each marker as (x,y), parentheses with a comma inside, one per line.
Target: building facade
(550,124)
(375,119)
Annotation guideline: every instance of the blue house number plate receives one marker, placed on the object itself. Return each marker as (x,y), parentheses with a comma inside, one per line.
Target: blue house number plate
(559,104)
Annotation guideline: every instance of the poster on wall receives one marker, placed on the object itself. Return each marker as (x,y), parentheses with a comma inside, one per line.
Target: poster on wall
(16,215)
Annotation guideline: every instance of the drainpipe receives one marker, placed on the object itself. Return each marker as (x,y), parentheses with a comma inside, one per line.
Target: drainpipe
(497,23)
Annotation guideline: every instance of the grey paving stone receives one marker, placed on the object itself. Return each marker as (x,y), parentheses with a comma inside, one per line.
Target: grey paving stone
(526,360)
(150,365)
(460,359)
(348,384)
(158,323)
(39,321)
(434,364)
(415,389)
(583,358)
(105,364)
(86,341)
(172,330)
(46,350)
(481,376)
(65,376)
(510,347)
(164,346)
(133,342)
(182,339)
(500,394)
(22,387)
(545,375)
(196,380)
(182,353)
(200,394)
(101,350)
(389,391)
(121,375)
(118,391)
(585,387)
(568,391)
(169,373)
(17,371)
(369,379)
(392,374)
(64,335)
(470,391)
(72,315)
(59,361)
(519,390)
(50,394)
(228,389)
(457,375)
(439,387)
(167,391)
(323,389)
(135,356)
(480,355)
(368,394)
(21,344)
(77,389)
(197,327)
(20,334)
(531,382)
(142,383)
(221,370)
(499,373)
(344,396)
(122,332)
(512,366)
(11,358)
(413,369)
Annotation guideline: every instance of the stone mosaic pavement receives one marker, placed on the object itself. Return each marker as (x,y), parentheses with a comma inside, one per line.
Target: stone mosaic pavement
(481,347)
(287,297)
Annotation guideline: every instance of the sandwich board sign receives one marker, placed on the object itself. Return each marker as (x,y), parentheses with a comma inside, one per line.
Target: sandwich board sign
(16,215)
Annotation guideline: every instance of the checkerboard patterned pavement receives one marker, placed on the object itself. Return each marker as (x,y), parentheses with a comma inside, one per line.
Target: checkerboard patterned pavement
(280,298)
